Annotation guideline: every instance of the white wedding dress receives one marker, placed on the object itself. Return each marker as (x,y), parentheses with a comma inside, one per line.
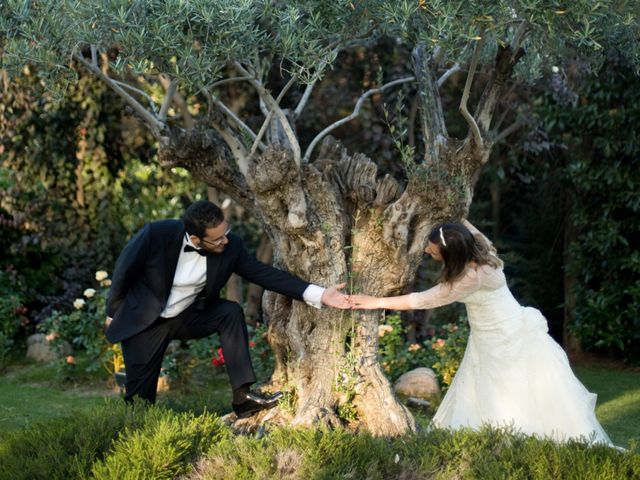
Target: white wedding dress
(513,373)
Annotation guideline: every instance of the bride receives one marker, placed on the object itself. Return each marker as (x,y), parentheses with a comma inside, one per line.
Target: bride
(513,373)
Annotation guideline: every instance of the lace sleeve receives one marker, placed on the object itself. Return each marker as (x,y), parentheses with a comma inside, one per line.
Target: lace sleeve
(444,293)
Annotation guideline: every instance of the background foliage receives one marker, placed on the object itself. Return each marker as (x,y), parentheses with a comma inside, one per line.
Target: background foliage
(567,206)
(77,178)
(602,168)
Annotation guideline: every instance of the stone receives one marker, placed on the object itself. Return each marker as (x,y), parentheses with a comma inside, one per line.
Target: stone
(42,350)
(420,383)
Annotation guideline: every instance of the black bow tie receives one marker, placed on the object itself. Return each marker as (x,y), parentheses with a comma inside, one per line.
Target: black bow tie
(199,251)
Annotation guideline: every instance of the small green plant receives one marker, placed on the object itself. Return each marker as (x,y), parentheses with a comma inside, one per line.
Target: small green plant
(287,402)
(398,128)
(345,384)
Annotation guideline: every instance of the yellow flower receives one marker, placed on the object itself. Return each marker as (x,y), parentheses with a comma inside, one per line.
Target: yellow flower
(79,303)
(382,329)
(101,275)
(106,282)
(414,347)
(52,336)
(439,343)
(89,292)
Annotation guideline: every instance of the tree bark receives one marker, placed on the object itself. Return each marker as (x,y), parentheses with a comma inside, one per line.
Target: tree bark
(264,253)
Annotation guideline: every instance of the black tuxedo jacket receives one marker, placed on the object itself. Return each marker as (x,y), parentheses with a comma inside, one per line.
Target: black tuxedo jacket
(143,276)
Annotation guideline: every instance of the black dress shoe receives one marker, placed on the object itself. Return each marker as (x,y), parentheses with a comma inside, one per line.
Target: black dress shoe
(254,402)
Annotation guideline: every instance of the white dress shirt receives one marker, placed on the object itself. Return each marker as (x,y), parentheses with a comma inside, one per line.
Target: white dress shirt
(191,277)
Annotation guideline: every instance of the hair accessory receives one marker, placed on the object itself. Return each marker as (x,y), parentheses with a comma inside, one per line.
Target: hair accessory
(442,237)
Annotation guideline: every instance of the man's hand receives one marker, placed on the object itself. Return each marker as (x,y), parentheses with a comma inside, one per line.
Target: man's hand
(333,297)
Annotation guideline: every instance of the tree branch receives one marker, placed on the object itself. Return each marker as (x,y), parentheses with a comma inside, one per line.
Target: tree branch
(413,113)
(354,114)
(519,35)
(434,130)
(509,130)
(307,91)
(445,76)
(166,103)
(465,94)
(237,148)
(265,124)
(507,109)
(94,56)
(273,105)
(303,101)
(157,127)
(179,101)
(227,80)
(213,99)
(505,61)
(140,92)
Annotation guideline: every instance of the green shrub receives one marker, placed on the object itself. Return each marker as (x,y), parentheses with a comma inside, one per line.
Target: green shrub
(449,351)
(65,447)
(166,446)
(115,440)
(12,313)
(489,454)
(136,442)
(443,353)
(602,176)
(11,304)
(83,328)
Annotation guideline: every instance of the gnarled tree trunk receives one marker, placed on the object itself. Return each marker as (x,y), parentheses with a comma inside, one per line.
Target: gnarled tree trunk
(336,219)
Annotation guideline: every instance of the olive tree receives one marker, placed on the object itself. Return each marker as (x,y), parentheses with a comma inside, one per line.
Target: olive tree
(329,213)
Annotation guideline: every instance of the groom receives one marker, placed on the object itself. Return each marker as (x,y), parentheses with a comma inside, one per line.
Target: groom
(166,285)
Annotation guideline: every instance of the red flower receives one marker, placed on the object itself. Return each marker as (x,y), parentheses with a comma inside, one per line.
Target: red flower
(252,343)
(219,358)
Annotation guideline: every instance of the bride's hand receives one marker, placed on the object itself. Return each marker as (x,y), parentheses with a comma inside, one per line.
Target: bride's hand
(364,302)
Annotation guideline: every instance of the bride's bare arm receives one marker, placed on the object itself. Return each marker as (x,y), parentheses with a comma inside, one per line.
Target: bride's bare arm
(475,232)
(481,237)
(369,302)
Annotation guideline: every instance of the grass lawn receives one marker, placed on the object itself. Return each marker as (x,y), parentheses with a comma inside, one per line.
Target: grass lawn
(618,407)
(28,393)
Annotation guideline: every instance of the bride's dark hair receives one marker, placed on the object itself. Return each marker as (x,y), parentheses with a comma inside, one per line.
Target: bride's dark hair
(461,247)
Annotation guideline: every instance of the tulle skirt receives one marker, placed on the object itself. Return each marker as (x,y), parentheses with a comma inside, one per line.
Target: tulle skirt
(517,376)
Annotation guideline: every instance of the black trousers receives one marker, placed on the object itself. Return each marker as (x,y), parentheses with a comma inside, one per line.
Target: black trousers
(144,351)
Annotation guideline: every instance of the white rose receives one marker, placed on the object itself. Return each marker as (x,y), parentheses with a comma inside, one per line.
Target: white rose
(101,275)
(89,292)
(79,303)
(105,283)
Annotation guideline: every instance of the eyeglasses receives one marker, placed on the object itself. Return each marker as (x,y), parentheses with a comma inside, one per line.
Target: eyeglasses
(219,241)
